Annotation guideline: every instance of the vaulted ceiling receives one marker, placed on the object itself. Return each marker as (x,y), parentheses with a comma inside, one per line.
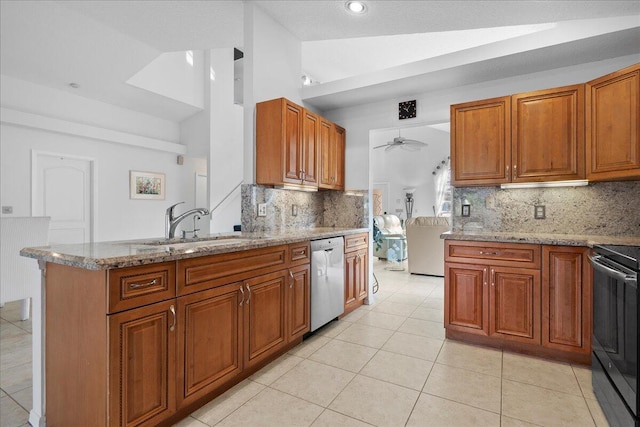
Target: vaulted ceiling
(396,47)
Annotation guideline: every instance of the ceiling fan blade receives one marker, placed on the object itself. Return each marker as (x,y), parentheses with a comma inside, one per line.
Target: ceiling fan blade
(414,141)
(380,146)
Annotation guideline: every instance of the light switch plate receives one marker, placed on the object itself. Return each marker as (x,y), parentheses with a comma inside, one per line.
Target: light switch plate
(294,210)
(7,209)
(262,209)
(539,212)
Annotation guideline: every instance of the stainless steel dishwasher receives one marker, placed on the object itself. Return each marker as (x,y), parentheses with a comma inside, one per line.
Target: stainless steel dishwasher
(327,280)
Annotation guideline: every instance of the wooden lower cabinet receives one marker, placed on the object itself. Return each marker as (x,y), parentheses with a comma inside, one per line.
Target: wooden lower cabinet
(567,305)
(210,327)
(265,316)
(142,355)
(514,304)
(356,279)
(466,304)
(118,365)
(545,310)
(493,301)
(299,301)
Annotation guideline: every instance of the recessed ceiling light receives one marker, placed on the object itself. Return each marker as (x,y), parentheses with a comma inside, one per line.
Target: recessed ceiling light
(355,6)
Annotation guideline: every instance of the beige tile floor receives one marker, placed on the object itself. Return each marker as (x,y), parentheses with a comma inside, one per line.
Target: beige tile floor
(386,364)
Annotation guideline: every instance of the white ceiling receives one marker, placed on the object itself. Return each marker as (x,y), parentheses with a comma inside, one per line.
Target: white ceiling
(100,44)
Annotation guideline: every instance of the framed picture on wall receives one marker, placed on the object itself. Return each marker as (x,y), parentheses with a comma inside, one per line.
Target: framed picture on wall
(146,185)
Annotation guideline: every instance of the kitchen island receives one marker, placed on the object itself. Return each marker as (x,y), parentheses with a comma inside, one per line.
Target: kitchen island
(527,292)
(143,332)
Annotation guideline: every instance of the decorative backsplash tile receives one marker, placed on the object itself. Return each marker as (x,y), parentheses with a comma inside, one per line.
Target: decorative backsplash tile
(316,209)
(604,208)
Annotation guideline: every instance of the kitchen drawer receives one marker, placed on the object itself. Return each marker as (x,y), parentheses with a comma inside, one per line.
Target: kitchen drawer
(133,287)
(500,254)
(197,274)
(299,253)
(356,241)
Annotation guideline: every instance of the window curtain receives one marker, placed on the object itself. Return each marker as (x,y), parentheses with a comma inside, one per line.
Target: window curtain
(443,188)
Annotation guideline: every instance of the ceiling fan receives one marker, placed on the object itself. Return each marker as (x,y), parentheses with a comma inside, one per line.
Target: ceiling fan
(403,143)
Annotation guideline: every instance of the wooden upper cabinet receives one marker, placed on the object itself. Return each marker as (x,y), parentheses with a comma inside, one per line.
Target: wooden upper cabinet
(310,147)
(612,128)
(547,133)
(332,156)
(295,146)
(340,146)
(280,146)
(481,142)
(326,154)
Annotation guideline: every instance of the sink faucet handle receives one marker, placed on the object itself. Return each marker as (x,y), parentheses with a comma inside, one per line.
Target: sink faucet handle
(170,208)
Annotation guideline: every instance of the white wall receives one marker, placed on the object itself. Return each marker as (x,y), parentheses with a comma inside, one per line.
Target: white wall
(433,107)
(272,69)
(171,75)
(413,169)
(225,170)
(117,217)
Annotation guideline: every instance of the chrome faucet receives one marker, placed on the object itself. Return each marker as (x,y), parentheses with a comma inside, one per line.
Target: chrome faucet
(171,222)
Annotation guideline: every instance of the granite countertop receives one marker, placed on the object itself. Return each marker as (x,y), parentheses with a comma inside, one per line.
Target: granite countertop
(107,255)
(542,238)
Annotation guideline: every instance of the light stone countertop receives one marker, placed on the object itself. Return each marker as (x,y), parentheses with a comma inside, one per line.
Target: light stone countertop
(542,238)
(116,254)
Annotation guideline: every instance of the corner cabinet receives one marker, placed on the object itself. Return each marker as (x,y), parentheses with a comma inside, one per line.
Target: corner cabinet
(613,126)
(528,137)
(523,297)
(158,341)
(296,147)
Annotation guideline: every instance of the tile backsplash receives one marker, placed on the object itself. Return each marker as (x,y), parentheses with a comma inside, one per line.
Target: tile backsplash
(605,208)
(314,209)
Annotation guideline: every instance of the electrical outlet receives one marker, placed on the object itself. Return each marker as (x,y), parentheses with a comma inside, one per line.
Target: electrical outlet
(539,212)
(262,209)
(294,210)
(7,209)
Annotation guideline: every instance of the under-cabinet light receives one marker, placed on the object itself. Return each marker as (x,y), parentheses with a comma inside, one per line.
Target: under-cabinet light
(548,184)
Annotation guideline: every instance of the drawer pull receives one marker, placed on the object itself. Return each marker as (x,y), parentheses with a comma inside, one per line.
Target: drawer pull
(143,285)
(489,253)
(172,309)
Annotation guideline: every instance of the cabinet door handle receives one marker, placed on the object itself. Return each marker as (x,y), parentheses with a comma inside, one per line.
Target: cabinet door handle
(291,283)
(172,309)
(248,289)
(143,285)
(515,171)
(242,292)
(484,276)
(488,253)
(507,167)
(493,277)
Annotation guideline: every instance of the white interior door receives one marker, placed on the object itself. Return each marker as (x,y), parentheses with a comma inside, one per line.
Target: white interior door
(62,190)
